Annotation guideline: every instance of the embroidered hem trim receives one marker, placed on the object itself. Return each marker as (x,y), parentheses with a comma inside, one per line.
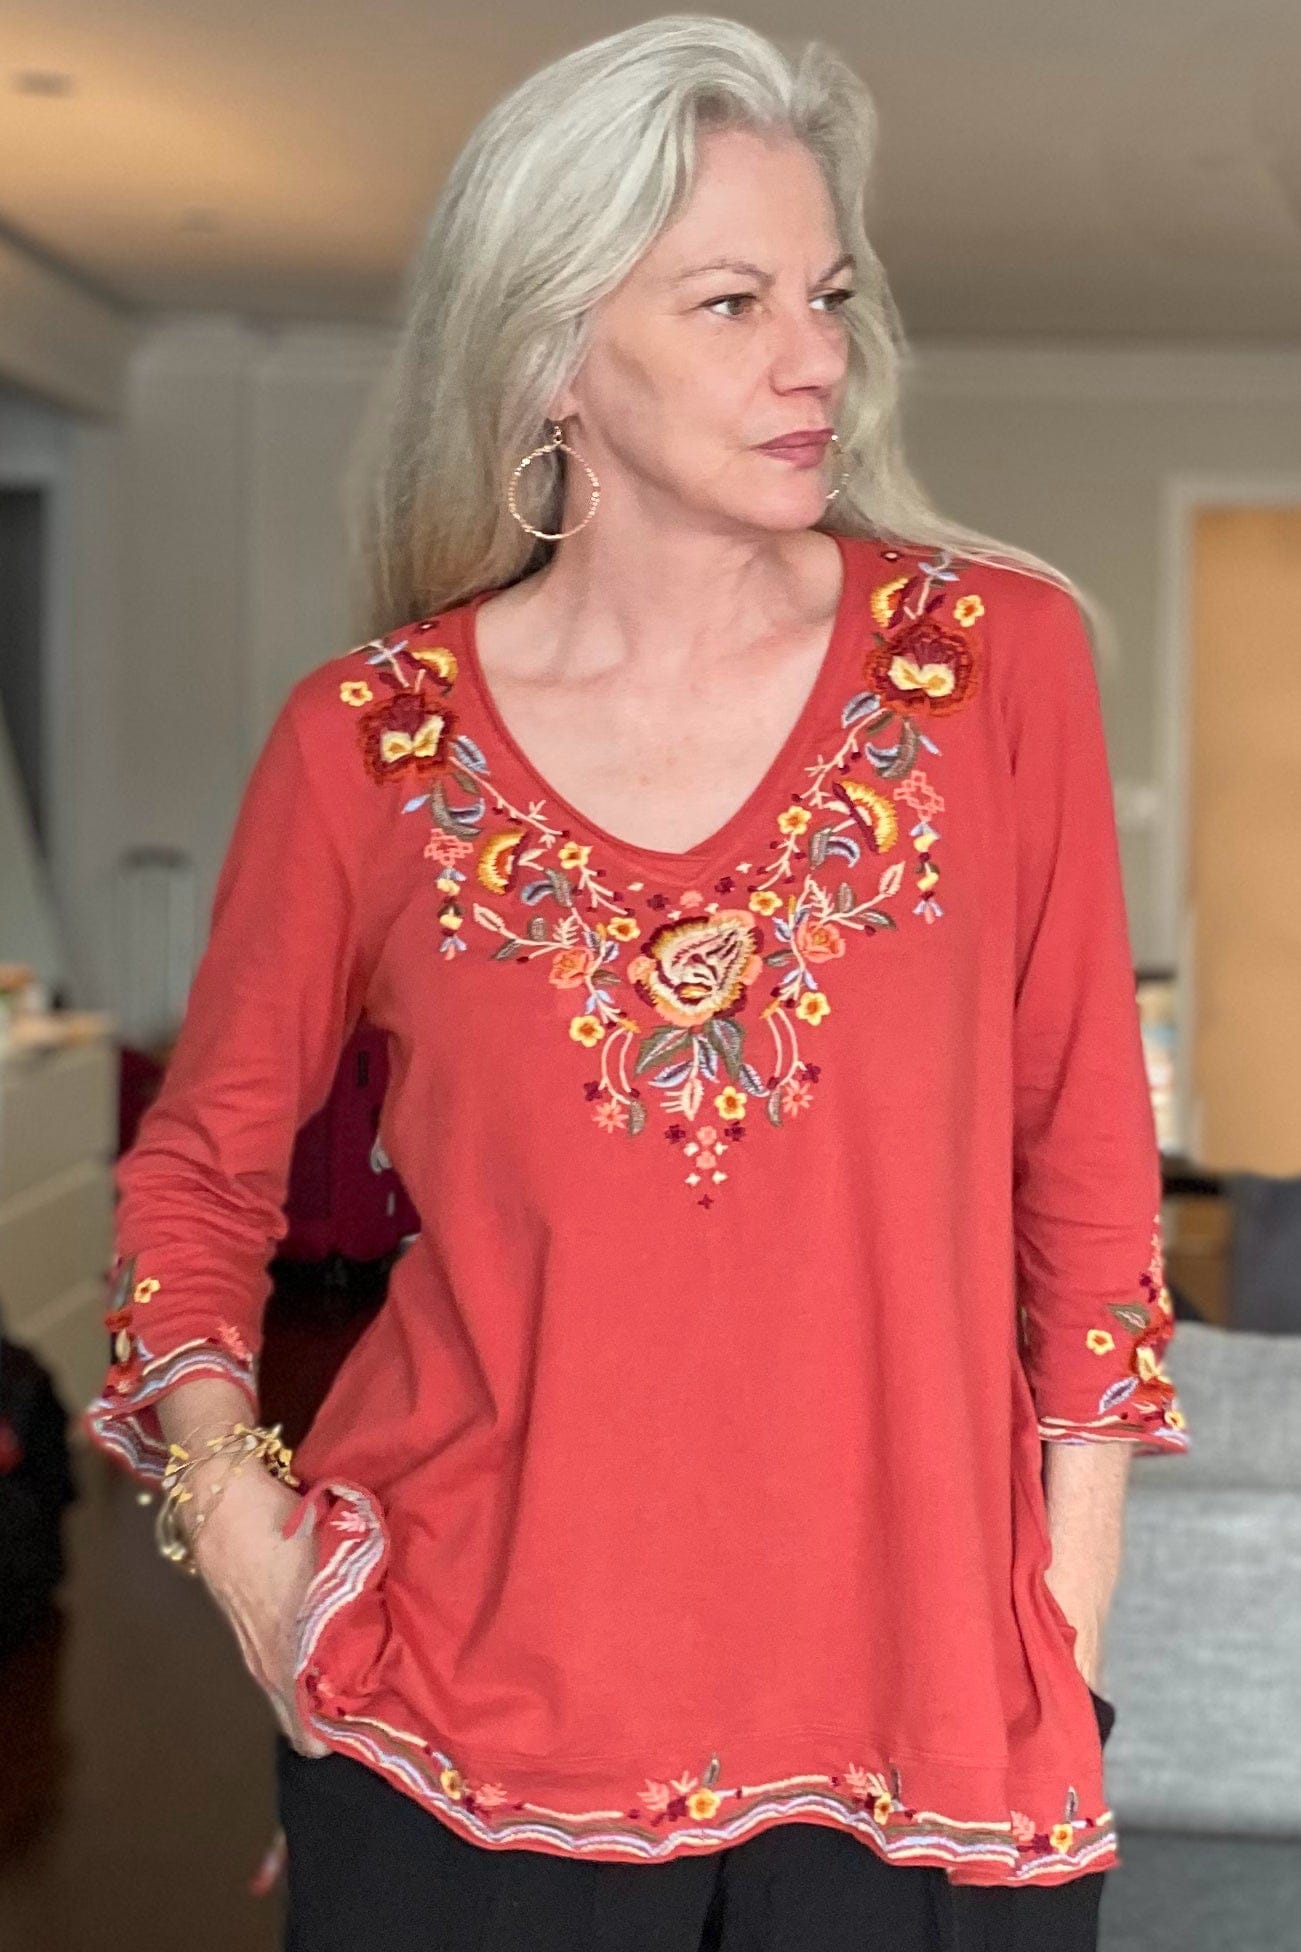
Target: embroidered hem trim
(665,1819)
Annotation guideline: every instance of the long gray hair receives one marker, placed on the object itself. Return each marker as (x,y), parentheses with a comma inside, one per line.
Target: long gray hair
(561,188)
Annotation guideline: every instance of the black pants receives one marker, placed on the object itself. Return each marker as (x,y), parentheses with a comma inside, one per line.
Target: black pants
(370,1870)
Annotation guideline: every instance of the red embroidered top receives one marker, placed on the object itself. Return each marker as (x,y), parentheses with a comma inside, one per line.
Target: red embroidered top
(778,1200)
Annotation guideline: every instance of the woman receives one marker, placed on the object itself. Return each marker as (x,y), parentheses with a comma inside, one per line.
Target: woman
(724,841)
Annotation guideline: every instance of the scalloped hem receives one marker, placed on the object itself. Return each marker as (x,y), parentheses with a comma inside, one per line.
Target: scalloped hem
(122,1420)
(661,1820)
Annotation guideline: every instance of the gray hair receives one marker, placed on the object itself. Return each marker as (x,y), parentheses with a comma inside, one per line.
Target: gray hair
(558,192)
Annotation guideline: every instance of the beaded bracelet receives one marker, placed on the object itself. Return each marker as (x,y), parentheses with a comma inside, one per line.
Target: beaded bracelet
(246,1440)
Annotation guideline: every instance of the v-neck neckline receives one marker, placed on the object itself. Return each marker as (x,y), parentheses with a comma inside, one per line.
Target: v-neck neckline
(667,862)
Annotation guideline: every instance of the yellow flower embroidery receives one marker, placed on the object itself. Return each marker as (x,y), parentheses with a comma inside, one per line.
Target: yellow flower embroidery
(423,743)
(144,1289)
(967,609)
(702,1804)
(1101,1341)
(574,855)
(765,902)
(883,600)
(812,1007)
(879,811)
(586,1031)
(623,928)
(1147,1364)
(794,820)
(730,1103)
(1061,1836)
(496,867)
(356,692)
(439,660)
(936,680)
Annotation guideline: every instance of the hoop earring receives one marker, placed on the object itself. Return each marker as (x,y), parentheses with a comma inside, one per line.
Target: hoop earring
(550,447)
(845,472)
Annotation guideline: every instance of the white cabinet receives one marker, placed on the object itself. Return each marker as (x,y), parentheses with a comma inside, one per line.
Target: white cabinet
(58,1140)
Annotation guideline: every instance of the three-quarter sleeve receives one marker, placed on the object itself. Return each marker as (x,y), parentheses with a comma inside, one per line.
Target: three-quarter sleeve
(201,1190)
(1094,1314)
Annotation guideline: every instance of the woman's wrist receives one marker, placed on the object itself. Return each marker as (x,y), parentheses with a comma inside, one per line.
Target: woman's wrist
(250,1509)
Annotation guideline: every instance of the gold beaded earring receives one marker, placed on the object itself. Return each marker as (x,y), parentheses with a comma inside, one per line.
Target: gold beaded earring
(846,470)
(556,442)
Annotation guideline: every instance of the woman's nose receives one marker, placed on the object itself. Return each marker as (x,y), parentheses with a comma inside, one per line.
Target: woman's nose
(808,351)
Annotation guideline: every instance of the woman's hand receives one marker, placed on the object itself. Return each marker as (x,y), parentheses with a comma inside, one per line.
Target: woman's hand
(258,1579)
(1081,1609)
(1084,1488)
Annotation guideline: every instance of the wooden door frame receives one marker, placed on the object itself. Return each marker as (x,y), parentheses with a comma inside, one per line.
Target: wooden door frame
(1183,494)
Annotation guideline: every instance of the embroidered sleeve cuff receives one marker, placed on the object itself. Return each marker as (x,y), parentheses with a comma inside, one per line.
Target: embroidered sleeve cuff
(1160,1428)
(123,1420)
(1102,1380)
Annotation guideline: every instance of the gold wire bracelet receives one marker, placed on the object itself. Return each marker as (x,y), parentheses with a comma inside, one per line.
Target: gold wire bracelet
(248,1440)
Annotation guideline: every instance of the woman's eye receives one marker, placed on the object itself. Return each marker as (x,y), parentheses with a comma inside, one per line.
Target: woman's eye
(837,297)
(730,298)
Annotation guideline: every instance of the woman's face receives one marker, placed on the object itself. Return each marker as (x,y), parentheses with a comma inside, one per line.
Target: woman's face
(726,335)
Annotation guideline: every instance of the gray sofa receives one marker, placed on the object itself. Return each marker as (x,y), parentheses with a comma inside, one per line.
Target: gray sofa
(1203,1662)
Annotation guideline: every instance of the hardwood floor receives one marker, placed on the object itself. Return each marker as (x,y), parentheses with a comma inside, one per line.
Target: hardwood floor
(137,1790)
(136,1793)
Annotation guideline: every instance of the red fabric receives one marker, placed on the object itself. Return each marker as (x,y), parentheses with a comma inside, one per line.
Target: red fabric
(777,1201)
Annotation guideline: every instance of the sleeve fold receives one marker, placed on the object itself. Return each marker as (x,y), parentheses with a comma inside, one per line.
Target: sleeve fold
(1094,1314)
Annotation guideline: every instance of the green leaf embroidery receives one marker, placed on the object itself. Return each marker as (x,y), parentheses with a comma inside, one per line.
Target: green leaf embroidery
(1132,1314)
(442,816)
(728,1039)
(661,1044)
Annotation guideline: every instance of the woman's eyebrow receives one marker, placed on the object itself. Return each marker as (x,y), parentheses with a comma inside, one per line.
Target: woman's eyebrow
(748,270)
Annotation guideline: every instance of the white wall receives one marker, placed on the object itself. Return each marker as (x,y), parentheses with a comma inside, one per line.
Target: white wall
(1082,457)
(216,510)
(74,462)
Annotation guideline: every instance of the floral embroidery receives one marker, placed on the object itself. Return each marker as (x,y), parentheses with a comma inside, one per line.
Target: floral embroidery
(1143,1397)
(120,1420)
(670,1813)
(125,1294)
(697,970)
(923,669)
(698,1007)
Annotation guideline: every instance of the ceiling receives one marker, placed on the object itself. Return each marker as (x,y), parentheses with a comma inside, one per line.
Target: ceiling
(1046,169)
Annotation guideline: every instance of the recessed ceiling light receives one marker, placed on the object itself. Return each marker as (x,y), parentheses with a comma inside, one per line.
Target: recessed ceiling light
(42,81)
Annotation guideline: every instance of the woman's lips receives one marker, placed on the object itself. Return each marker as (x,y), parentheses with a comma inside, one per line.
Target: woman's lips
(805,450)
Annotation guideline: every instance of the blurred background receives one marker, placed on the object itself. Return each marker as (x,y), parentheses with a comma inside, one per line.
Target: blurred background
(1091,220)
